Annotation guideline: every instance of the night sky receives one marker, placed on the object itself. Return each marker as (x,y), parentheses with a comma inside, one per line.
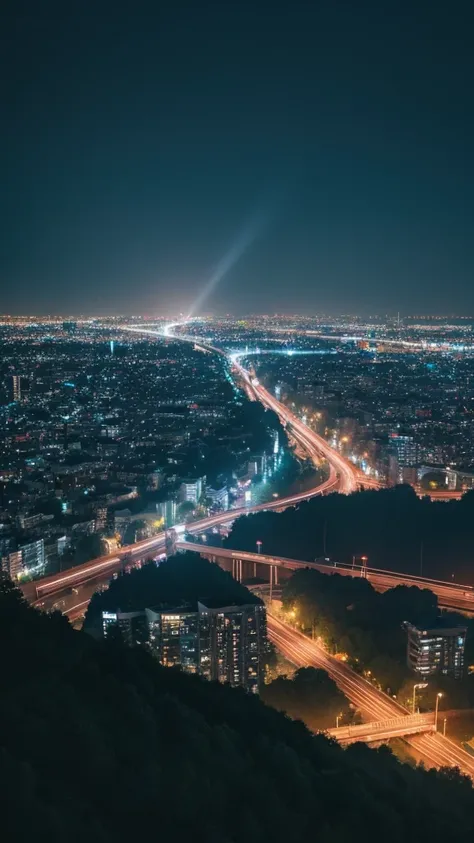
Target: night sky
(325,148)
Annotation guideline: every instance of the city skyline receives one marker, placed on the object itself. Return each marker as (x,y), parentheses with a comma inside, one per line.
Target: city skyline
(128,444)
(237,421)
(220,157)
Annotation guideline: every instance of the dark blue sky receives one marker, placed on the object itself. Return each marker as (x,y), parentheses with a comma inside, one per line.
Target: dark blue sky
(140,139)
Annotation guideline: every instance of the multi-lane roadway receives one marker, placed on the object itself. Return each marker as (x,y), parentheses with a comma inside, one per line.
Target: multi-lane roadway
(384,730)
(349,476)
(450,595)
(434,749)
(316,446)
(343,477)
(103,567)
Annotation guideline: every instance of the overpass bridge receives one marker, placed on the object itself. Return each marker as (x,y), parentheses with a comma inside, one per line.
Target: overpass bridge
(382,711)
(245,565)
(384,730)
(103,567)
(343,477)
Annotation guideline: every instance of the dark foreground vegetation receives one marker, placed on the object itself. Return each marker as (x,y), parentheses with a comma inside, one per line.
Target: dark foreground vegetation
(101,744)
(368,626)
(309,695)
(178,580)
(393,527)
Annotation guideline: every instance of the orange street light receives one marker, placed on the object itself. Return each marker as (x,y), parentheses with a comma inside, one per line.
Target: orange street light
(438,697)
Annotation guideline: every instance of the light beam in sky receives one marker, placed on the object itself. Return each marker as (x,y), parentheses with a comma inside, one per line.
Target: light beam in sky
(245,239)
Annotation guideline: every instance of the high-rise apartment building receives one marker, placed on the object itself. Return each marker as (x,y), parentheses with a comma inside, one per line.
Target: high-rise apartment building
(174,636)
(33,555)
(101,516)
(16,388)
(437,650)
(27,558)
(404,448)
(12,564)
(132,626)
(403,455)
(191,490)
(222,643)
(238,639)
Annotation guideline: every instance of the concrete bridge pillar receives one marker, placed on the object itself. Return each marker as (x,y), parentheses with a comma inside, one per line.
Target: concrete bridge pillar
(237,569)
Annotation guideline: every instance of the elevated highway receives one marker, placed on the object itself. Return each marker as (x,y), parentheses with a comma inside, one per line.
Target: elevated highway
(376,707)
(105,566)
(343,477)
(450,595)
(384,730)
(350,477)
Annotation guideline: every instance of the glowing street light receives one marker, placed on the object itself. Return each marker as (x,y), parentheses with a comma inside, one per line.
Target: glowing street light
(259,546)
(363,567)
(418,685)
(438,697)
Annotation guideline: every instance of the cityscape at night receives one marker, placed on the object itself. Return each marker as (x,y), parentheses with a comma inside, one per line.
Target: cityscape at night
(237,423)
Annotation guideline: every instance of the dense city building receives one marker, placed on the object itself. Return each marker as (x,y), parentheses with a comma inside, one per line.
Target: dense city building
(222,643)
(438,650)
(394,396)
(191,490)
(101,428)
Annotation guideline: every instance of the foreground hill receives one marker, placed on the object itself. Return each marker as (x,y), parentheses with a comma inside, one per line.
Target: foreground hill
(180,579)
(99,744)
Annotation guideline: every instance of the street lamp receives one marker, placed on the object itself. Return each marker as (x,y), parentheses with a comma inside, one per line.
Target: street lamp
(363,566)
(438,697)
(259,546)
(418,685)
(444,727)
(338,717)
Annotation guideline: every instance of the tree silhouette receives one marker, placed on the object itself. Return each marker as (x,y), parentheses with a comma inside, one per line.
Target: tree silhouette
(101,743)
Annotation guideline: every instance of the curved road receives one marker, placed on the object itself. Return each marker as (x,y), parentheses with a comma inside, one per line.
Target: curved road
(343,477)
(349,476)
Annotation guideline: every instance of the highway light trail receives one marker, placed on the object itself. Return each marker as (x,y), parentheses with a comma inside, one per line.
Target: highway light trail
(436,750)
(343,477)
